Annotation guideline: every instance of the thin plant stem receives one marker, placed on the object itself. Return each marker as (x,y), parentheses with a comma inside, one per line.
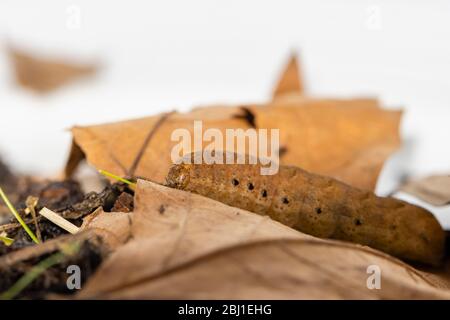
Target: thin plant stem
(66,250)
(31,275)
(6,240)
(111,175)
(17,216)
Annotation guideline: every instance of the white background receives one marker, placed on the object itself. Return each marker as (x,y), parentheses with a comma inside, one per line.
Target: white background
(160,55)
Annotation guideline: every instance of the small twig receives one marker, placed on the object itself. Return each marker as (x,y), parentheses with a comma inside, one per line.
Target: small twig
(31,203)
(131,171)
(17,216)
(59,221)
(15,225)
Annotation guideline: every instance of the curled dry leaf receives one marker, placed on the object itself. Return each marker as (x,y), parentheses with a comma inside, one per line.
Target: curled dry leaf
(345,139)
(113,227)
(190,247)
(290,82)
(43,74)
(434,189)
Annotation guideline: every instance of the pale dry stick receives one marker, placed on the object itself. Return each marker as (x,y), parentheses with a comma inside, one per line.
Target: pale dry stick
(59,221)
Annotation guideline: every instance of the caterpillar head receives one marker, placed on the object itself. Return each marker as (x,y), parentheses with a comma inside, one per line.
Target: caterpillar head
(178,176)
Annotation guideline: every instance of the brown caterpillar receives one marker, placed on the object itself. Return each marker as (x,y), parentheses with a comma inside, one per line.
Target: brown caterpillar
(320,206)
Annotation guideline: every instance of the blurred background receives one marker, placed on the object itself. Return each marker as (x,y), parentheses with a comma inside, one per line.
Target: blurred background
(156,56)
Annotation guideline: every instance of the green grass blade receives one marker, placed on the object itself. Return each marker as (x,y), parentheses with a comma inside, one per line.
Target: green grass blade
(111,175)
(31,275)
(66,250)
(17,216)
(6,240)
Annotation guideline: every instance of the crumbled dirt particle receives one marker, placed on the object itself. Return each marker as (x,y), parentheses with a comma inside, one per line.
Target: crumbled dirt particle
(124,203)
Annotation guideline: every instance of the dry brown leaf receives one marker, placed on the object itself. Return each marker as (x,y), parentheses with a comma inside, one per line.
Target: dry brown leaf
(345,139)
(290,82)
(44,75)
(113,227)
(190,247)
(434,189)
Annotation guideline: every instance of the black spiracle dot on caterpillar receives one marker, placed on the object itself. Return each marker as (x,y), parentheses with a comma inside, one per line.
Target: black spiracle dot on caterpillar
(250,186)
(285,200)
(264,193)
(235,182)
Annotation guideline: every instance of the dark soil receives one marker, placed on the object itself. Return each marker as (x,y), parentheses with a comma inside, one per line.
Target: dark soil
(54,279)
(67,199)
(124,203)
